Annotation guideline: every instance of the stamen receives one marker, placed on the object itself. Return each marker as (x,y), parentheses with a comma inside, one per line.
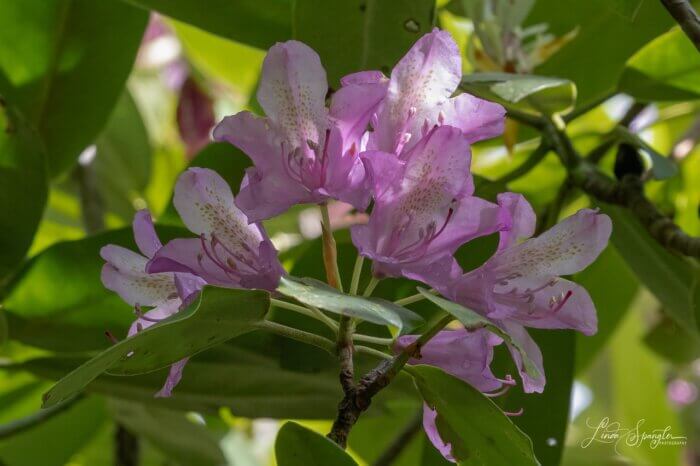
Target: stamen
(111,337)
(499,392)
(562,302)
(441,118)
(508,380)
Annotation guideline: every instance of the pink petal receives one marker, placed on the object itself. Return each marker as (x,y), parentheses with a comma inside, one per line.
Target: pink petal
(292,92)
(352,108)
(477,118)
(145,234)
(431,430)
(519,335)
(161,312)
(364,77)
(206,205)
(521,216)
(422,80)
(173,379)
(566,248)
(254,136)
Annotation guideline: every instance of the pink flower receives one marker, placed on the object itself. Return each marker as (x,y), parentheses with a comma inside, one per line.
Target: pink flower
(229,252)
(415,98)
(423,208)
(167,293)
(300,154)
(520,285)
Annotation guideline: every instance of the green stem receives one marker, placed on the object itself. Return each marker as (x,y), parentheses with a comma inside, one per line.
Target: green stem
(372,352)
(356,274)
(296,334)
(307,311)
(330,252)
(370,287)
(413,298)
(371,339)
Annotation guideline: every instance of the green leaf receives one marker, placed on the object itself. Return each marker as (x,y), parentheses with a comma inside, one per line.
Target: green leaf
(610,307)
(670,278)
(60,289)
(122,167)
(535,94)
(354,35)
(479,432)
(668,68)
(545,415)
(472,321)
(661,167)
(259,23)
(171,432)
(595,58)
(52,77)
(216,316)
(23,185)
(376,310)
(248,381)
(299,446)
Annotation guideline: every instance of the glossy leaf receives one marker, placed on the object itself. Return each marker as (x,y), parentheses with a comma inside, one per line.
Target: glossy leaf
(52,79)
(471,320)
(479,432)
(371,35)
(535,94)
(299,446)
(259,23)
(670,278)
(23,187)
(667,68)
(205,323)
(379,311)
(595,58)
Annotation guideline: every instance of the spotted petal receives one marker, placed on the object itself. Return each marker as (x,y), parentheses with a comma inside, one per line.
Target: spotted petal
(521,219)
(292,92)
(145,234)
(125,274)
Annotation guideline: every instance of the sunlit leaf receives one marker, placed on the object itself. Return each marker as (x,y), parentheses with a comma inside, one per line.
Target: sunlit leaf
(379,311)
(52,77)
(23,187)
(668,68)
(259,23)
(536,94)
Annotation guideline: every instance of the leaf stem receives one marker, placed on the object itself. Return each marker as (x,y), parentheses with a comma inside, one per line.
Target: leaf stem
(370,287)
(356,274)
(524,168)
(296,334)
(371,339)
(314,313)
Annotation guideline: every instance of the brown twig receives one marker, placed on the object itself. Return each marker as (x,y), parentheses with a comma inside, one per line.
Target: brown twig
(358,398)
(686,16)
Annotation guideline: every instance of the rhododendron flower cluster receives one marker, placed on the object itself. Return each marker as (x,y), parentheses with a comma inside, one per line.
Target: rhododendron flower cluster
(400,144)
